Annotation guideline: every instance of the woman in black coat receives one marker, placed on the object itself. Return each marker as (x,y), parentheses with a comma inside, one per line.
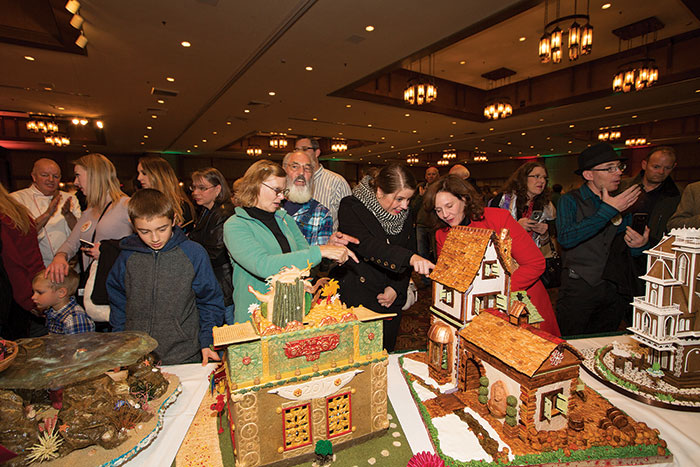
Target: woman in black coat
(209,190)
(377,215)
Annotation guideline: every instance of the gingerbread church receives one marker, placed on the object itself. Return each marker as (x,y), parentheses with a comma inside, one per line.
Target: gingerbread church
(665,319)
(479,332)
(303,369)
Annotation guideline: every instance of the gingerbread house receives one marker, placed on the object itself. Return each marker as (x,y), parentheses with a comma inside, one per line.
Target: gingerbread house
(540,370)
(319,377)
(665,319)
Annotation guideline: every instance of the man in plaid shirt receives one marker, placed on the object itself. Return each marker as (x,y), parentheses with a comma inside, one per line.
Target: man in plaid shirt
(313,218)
(63,314)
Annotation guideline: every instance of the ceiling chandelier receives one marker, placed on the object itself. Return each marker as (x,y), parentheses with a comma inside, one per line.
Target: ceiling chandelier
(635,142)
(253,151)
(636,75)
(481,159)
(580,38)
(41,126)
(412,159)
(339,146)
(443,162)
(609,135)
(420,90)
(57,140)
(449,154)
(499,108)
(278,141)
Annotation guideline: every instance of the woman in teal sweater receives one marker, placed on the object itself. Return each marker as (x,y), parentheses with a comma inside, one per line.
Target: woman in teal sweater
(262,238)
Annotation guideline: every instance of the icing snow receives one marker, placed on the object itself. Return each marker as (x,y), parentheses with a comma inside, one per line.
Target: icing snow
(421,370)
(423,393)
(457,441)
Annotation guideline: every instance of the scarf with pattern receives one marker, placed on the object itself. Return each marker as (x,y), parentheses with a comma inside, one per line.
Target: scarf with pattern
(391,223)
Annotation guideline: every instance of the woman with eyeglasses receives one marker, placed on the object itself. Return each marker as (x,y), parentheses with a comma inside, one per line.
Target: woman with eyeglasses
(526,196)
(262,239)
(155,172)
(210,191)
(453,201)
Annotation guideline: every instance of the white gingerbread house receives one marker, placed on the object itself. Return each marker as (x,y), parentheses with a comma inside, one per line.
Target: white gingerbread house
(665,318)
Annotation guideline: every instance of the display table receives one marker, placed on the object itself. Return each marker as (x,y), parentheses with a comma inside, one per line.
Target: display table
(681,430)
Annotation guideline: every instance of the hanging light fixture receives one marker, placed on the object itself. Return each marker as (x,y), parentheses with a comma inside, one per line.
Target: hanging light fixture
(412,159)
(420,90)
(253,151)
(636,75)
(481,159)
(635,142)
(580,38)
(339,146)
(449,154)
(278,140)
(609,135)
(443,162)
(57,140)
(41,126)
(499,108)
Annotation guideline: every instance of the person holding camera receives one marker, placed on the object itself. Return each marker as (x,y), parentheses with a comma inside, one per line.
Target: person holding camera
(588,220)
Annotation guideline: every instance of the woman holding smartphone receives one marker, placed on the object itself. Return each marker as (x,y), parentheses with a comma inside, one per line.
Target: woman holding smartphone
(526,196)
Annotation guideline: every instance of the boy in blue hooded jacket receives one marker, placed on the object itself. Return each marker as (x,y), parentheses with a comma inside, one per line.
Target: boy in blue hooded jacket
(163,284)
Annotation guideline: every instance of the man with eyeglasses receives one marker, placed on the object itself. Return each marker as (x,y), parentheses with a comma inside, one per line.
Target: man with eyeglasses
(588,219)
(328,187)
(313,218)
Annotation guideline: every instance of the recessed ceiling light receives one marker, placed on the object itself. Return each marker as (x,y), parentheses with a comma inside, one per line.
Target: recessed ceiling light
(61,108)
(570,141)
(634,116)
(532,147)
(100,124)
(213,132)
(452,136)
(195,145)
(340,133)
(29,58)
(145,136)
(228,123)
(369,125)
(314,119)
(171,79)
(369,28)
(509,142)
(414,131)
(571,126)
(246,111)
(523,133)
(271,93)
(204,140)
(309,68)
(548,138)
(348,106)
(392,147)
(482,140)
(185,44)
(463,62)
(605,6)
(383,137)
(160,101)
(189,150)
(608,107)
(454,123)
(142,142)
(289,129)
(490,129)
(522,39)
(149,127)
(499,150)
(154,116)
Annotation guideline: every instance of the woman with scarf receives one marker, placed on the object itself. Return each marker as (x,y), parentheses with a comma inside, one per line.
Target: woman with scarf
(377,215)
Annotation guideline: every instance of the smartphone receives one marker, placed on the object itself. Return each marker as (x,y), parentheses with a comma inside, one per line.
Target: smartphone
(537,216)
(639,222)
(86,244)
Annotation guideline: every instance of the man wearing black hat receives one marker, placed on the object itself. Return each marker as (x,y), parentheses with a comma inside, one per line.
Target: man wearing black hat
(588,219)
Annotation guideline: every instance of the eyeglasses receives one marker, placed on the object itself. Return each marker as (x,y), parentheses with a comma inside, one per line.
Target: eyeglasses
(200,187)
(612,169)
(306,148)
(539,177)
(278,191)
(296,166)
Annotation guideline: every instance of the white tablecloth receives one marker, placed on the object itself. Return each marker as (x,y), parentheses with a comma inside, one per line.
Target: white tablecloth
(681,430)
(178,417)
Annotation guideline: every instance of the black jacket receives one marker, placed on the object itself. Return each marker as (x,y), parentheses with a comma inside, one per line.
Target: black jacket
(209,232)
(382,263)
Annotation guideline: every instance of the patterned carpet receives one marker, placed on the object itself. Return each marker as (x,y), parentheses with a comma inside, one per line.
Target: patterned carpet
(415,322)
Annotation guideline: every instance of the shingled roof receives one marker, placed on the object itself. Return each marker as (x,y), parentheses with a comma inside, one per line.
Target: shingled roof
(462,254)
(504,341)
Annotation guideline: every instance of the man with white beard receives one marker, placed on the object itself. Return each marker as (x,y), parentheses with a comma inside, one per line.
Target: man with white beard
(313,218)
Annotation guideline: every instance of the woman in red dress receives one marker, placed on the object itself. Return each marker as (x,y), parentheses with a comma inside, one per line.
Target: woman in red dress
(452,202)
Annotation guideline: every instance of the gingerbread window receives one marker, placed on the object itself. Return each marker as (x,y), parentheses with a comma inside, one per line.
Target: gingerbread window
(491,270)
(297,427)
(338,415)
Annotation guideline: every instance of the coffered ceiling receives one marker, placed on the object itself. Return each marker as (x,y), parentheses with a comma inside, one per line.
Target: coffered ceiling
(245,74)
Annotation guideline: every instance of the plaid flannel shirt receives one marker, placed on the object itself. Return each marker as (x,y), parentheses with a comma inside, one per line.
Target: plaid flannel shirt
(315,222)
(71,319)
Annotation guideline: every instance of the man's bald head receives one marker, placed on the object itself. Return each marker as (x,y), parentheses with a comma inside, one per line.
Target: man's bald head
(460,170)
(46,175)
(431,174)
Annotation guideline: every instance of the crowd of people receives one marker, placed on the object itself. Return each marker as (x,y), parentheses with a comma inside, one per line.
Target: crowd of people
(175,266)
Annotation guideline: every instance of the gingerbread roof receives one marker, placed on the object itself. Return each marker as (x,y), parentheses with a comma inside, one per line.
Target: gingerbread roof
(234,334)
(462,254)
(520,347)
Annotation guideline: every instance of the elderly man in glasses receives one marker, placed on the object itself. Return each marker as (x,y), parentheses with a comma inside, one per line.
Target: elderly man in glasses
(588,219)
(313,218)
(329,187)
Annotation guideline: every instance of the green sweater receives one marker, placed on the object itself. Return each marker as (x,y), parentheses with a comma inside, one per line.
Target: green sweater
(256,255)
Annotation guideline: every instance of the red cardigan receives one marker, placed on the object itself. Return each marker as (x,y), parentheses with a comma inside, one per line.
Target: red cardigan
(22,260)
(531,263)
